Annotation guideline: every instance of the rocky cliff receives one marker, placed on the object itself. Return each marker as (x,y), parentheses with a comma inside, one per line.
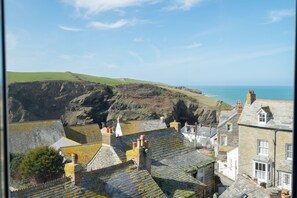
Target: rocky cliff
(86,102)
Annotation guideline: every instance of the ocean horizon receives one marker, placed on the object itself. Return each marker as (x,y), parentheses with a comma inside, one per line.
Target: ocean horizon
(231,94)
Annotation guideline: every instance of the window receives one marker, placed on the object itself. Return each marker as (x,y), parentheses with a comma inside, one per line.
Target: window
(262,171)
(284,180)
(289,151)
(201,175)
(262,147)
(262,117)
(223,140)
(229,127)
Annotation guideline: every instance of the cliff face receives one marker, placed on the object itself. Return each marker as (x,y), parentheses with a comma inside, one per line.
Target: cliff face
(84,102)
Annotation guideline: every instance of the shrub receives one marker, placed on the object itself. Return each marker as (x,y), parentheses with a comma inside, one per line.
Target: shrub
(42,164)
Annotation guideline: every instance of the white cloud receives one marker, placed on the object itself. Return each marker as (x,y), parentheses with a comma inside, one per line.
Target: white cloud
(11,41)
(278,15)
(192,46)
(92,7)
(73,29)
(116,25)
(138,40)
(183,5)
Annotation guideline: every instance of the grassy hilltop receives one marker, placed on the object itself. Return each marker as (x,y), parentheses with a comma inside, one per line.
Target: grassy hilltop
(14,77)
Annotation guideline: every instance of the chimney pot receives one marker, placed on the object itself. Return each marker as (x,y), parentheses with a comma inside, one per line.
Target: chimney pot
(74,158)
(138,143)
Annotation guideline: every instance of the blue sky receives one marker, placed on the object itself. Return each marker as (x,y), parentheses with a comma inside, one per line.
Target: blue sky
(180,42)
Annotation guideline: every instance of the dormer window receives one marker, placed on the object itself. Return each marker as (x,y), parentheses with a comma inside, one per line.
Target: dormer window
(263,115)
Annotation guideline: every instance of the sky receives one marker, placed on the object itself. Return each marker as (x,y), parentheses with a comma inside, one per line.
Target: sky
(178,42)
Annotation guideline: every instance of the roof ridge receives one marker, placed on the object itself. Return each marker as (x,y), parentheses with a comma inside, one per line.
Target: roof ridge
(87,144)
(147,132)
(35,121)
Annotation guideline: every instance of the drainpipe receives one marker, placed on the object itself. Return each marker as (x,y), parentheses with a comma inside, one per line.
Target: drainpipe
(274,165)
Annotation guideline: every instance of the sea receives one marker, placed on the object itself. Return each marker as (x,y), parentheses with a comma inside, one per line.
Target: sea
(231,94)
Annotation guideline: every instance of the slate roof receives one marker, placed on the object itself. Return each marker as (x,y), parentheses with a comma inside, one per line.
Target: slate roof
(58,188)
(225,116)
(174,182)
(163,143)
(173,157)
(245,185)
(281,110)
(84,134)
(191,161)
(105,157)
(84,152)
(63,142)
(136,126)
(28,135)
(122,180)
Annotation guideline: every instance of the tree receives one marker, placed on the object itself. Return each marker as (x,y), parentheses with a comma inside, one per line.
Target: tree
(15,160)
(42,164)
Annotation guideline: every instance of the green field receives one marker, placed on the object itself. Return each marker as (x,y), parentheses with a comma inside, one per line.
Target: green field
(14,77)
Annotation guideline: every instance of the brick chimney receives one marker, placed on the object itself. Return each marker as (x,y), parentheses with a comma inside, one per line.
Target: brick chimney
(175,125)
(74,170)
(141,154)
(238,107)
(108,137)
(250,97)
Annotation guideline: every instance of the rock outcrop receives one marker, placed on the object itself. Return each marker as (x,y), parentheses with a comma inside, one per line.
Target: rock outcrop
(85,102)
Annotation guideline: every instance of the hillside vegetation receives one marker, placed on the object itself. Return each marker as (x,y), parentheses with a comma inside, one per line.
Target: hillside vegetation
(79,98)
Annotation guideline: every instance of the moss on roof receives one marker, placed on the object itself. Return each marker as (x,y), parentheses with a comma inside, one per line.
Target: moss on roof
(136,126)
(62,187)
(84,152)
(29,126)
(28,135)
(84,134)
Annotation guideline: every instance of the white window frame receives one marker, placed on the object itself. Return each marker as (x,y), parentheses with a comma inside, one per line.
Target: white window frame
(262,147)
(262,117)
(229,127)
(285,180)
(221,143)
(289,152)
(262,171)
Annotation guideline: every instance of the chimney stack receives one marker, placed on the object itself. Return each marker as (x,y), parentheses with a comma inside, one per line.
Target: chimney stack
(238,107)
(108,137)
(141,154)
(162,119)
(74,170)
(175,125)
(250,97)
